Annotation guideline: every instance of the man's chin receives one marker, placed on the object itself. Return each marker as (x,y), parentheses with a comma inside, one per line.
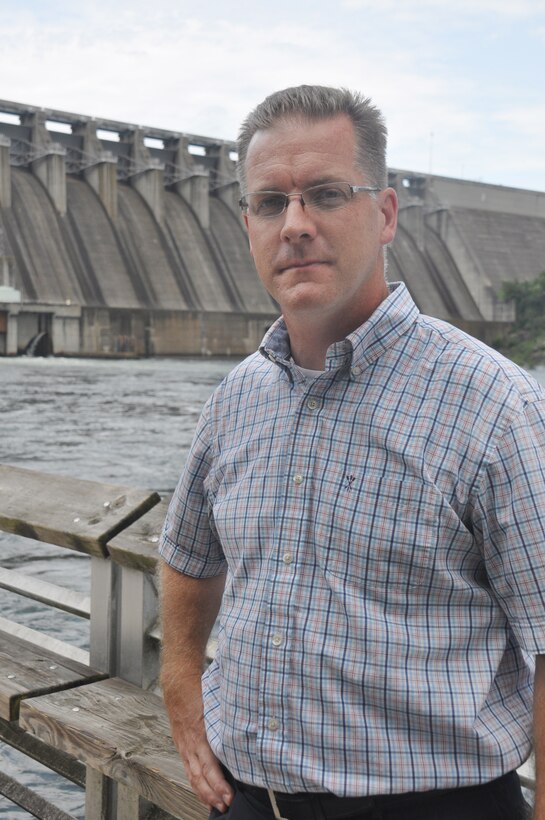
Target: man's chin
(305,301)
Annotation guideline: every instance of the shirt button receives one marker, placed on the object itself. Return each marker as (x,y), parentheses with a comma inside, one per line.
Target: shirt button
(273,725)
(312,404)
(298,479)
(287,558)
(277,640)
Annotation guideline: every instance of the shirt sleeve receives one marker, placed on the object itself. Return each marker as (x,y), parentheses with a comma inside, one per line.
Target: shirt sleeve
(510,518)
(189,542)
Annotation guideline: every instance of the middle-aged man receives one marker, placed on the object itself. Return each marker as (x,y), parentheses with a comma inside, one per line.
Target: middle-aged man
(365,501)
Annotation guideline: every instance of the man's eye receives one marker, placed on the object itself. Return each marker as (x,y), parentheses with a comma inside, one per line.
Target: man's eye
(270,204)
(329,196)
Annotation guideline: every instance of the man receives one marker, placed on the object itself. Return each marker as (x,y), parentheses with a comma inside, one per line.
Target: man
(364,499)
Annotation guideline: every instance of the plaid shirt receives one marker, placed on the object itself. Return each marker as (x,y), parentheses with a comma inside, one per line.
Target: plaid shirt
(384,529)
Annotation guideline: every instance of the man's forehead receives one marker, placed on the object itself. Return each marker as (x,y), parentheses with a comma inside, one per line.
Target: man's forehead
(296,136)
(287,126)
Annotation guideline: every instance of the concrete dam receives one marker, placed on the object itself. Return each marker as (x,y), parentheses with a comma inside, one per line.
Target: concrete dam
(117,239)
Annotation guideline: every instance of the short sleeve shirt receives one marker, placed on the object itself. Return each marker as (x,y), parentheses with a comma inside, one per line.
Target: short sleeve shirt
(383,531)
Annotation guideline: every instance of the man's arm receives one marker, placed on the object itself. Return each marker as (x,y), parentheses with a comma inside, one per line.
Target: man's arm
(539,736)
(189,609)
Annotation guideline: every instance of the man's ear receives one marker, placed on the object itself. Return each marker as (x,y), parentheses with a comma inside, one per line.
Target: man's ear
(389,207)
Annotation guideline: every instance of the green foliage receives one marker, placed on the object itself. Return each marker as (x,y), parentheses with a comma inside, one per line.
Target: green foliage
(529,298)
(525,343)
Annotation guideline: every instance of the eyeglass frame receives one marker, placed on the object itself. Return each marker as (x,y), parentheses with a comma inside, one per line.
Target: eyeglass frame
(354,189)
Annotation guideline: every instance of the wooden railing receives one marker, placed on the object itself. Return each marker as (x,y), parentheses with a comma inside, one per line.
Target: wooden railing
(94,717)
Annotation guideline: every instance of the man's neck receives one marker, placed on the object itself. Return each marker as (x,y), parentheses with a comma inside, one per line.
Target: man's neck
(311,336)
(309,350)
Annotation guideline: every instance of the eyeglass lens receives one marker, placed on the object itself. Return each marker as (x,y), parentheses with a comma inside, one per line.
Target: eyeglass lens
(326,197)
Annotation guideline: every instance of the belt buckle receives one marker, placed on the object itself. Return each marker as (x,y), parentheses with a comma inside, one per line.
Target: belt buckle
(274,804)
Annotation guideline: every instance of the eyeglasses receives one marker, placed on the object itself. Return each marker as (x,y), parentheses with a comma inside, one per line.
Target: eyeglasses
(327,197)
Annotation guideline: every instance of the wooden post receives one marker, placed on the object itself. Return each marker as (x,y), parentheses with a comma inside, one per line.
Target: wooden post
(134,551)
(98,802)
(123,612)
(139,655)
(104,650)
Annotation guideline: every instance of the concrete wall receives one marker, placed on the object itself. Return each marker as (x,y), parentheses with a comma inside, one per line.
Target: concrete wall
(91,221)
(135,246)
(167,333)
(121,332)
(471,238)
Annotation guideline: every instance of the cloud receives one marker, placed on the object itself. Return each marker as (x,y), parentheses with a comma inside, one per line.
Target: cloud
(190,75)
(527,121)
(193,69)
(418,8)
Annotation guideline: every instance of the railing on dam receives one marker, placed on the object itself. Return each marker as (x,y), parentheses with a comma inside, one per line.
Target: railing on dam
(96,717)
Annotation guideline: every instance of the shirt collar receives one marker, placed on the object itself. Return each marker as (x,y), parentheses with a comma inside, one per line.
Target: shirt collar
(393,317)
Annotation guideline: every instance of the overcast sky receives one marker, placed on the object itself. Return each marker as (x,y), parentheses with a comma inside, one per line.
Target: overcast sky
(461,82)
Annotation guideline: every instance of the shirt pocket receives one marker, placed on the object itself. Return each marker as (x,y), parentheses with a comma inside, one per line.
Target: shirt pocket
(381,530)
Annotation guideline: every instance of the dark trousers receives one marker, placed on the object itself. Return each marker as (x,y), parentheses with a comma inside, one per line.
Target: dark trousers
(500,799)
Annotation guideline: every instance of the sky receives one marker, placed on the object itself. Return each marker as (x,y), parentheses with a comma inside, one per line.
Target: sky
(460,82)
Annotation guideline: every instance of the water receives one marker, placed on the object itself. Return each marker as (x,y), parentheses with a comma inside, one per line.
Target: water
(122,422)
(116,421)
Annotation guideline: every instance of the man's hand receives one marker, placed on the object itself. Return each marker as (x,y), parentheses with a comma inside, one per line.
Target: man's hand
(203,770)
(189,609)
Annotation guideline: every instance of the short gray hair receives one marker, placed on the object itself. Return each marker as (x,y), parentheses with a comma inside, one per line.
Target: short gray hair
(317,102)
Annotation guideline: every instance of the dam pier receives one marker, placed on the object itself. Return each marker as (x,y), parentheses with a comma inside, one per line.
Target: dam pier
(123,240)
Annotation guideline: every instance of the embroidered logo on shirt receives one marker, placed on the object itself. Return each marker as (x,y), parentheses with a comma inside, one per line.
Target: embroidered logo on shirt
(349,479)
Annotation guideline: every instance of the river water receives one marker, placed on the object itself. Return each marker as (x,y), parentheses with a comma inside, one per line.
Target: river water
(121,422)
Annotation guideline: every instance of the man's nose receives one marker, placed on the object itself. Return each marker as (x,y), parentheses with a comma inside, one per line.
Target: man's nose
(298,222)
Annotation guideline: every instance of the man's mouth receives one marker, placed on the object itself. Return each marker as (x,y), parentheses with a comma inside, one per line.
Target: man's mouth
(300,263)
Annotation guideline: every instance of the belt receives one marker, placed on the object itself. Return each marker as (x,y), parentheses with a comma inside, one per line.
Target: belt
(302,805)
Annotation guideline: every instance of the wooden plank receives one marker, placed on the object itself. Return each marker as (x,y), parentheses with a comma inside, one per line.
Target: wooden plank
(73,513)
(30,801)
(46,642)
(128,803)
(121,731)
(138,656)
(54,759)
(97,795)
(29,670)
(136,546)
(46,593)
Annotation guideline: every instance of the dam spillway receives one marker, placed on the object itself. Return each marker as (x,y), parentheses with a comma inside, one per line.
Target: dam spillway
(117,239)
